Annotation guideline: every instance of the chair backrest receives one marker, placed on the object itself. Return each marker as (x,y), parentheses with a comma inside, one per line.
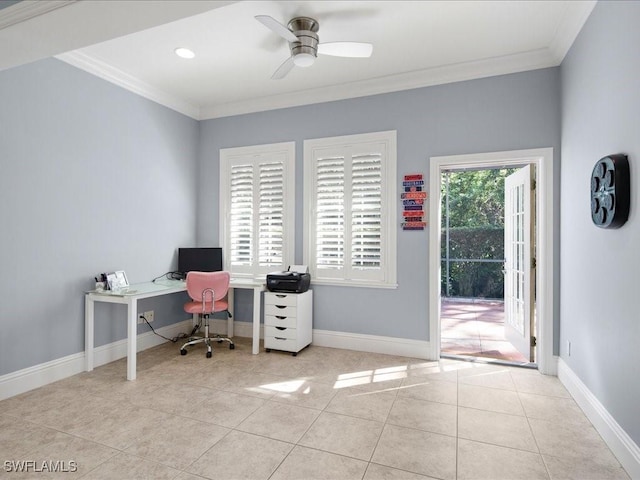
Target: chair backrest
(197,282)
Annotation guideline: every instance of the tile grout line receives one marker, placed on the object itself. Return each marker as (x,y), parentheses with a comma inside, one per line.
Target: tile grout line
(459,373)
(546,468)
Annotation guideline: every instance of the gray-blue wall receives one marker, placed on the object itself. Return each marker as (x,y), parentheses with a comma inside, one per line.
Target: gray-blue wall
(599,268)
(8,3)
(507,112)
(93,178)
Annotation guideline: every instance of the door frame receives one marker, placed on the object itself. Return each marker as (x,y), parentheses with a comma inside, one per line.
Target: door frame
(542,158)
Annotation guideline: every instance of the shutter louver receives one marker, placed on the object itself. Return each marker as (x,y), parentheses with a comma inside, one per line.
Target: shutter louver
(366,212)
(271,214)
(330,213)
(241,215)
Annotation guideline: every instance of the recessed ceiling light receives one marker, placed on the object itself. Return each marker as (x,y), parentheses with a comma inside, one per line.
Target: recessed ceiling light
(184,53)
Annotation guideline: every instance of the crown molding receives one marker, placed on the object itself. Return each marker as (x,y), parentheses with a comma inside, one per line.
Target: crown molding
(534,60)
(570,27)
(128,82)
(575,16)
(28,9)
(408,81)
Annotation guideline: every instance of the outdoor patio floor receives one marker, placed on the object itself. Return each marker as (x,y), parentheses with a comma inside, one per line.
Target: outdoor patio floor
(475,327)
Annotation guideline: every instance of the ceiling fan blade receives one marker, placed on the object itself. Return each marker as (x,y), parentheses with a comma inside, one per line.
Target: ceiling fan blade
(275,26)
(346,49)
(283,69)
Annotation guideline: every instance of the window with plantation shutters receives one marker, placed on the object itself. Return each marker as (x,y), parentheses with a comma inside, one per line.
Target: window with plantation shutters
(257,210)
(350,227)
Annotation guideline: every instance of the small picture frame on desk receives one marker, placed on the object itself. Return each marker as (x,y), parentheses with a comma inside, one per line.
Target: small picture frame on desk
(117,280)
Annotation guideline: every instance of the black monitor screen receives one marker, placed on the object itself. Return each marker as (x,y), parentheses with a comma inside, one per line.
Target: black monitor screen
(205,259)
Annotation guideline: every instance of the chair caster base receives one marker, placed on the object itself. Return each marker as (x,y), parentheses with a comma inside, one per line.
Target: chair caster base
(208,354)
(183,351)
(232,346)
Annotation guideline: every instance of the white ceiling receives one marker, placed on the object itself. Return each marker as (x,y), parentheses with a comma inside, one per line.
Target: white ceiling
(415,44)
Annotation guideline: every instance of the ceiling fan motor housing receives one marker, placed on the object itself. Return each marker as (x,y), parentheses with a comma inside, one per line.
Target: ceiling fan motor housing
(306,48)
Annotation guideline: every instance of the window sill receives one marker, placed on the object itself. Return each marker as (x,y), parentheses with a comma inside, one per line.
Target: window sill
(345,283)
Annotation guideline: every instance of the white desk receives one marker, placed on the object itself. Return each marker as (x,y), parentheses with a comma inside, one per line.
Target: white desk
(136,292)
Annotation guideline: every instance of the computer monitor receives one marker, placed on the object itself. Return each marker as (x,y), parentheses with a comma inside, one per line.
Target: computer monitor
(199,259)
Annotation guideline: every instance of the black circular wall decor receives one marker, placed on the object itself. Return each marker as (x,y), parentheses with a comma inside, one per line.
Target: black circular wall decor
(610,193)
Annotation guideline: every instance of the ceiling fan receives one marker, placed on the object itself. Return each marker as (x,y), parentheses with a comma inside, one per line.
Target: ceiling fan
(303,42)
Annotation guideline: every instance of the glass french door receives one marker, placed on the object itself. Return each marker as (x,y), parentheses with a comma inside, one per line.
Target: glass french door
(519,269)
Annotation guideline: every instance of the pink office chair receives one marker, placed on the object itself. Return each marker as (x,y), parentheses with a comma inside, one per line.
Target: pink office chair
(207,291)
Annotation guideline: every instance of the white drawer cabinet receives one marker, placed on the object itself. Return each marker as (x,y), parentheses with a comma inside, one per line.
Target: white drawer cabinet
(288,321)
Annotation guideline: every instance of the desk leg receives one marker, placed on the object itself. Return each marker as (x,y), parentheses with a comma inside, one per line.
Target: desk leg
(230,304)
(88,332)
(132,337)
(256,320)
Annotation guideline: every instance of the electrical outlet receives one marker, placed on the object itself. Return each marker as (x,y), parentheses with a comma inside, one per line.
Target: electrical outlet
(148,315)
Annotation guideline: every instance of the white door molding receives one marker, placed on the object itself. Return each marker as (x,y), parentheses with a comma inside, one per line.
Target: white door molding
(542,158)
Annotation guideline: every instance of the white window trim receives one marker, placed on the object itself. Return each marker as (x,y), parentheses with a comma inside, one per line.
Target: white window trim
(389,198)
(227,156)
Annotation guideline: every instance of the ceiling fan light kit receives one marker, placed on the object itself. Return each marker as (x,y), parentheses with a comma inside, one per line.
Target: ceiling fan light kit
(305,49)
(303,59)
(183,52)
(301,33)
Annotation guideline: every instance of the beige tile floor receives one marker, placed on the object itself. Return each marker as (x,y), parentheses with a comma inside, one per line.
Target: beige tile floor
(325,414)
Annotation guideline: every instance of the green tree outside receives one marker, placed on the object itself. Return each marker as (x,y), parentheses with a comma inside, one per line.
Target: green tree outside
(475,220)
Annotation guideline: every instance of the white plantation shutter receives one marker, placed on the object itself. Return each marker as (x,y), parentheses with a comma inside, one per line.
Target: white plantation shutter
(241,222)
(366,212)
(350,209)
(257,216)
(330,213)
(270,214)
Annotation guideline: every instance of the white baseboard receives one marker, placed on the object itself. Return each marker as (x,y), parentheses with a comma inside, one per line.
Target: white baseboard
(402,347)
(622,446)
(27,379)
(21,381)
(117,350)
(240,329)
(348,341)
(372,343)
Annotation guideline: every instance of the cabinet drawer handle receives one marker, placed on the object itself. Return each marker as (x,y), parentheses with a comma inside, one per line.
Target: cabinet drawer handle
(279,338)
(280,318)
(281,306)
(281,328)
(281,296)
